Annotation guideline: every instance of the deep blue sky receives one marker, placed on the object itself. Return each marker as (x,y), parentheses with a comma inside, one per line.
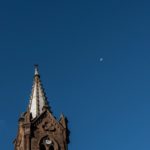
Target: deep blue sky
(107,103)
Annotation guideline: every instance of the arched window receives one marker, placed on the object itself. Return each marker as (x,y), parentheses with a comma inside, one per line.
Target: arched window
(42,147)
(51,147)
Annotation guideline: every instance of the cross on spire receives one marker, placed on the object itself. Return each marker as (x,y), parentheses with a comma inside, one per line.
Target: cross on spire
(36,66)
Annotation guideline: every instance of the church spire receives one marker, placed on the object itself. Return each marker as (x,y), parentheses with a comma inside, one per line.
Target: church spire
(38,98)
(38,128)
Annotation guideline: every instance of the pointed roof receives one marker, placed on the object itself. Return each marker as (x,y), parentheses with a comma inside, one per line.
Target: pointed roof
(38,97)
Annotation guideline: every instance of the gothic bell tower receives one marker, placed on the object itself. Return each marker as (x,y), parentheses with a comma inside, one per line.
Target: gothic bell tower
(38,129)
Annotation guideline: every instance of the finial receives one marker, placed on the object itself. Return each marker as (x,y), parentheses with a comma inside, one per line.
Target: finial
(36,69)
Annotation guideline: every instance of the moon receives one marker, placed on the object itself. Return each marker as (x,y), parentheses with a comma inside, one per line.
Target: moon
(101,59)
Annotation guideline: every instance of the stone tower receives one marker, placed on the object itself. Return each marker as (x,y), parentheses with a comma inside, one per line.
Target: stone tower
(38,129)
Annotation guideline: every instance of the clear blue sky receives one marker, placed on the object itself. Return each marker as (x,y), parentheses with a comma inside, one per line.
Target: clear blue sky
(107,103)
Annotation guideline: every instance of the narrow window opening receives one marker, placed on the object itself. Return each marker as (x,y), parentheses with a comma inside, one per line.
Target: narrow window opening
(42,147)
(51,147)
